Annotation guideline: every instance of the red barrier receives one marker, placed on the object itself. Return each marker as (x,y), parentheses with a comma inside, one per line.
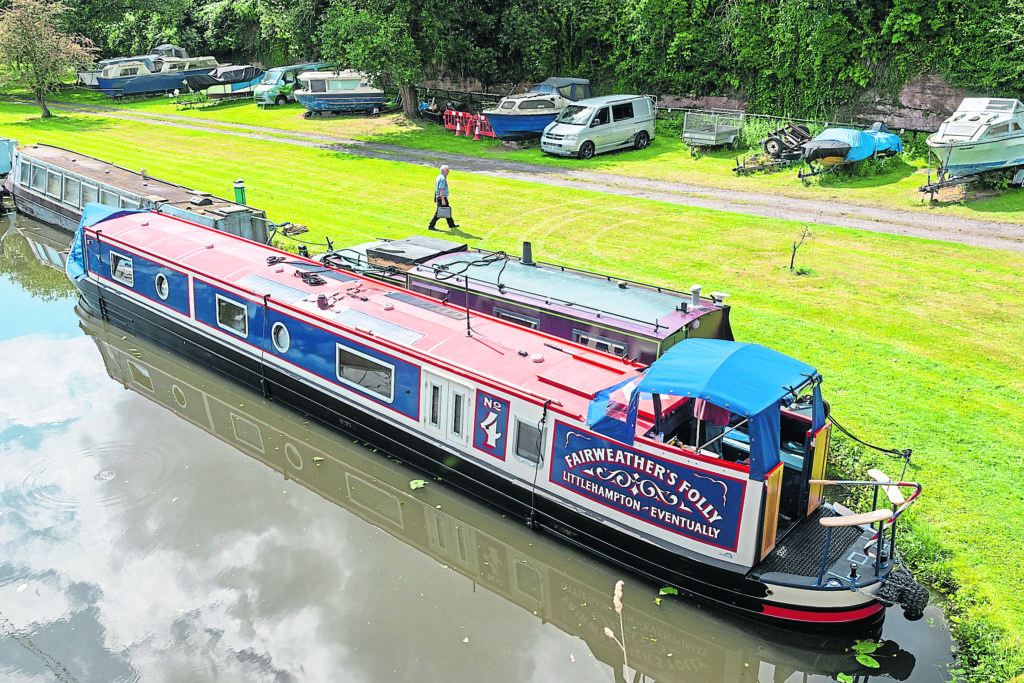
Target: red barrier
(485,127)
(450,120)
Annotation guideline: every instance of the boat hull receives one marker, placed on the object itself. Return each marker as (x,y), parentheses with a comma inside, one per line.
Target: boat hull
(341,102)
(726,588)
(516,127)
(967,158)
(148,83)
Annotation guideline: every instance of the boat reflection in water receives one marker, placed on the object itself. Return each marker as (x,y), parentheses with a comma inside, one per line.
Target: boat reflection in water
(672,641)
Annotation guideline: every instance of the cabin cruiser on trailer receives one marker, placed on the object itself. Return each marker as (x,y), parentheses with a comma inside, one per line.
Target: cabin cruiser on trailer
(337,92)
(703,470)
(524,116)
(161,74)
(983,134)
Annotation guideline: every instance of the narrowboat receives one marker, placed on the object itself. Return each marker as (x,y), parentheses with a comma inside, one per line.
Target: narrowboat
(702,471)
(337,92)
(52,184)
(158,75)
(524,116)
(278,85)
(491,552)
(620,316)
(837,146)
(226,82)
(7,147)
(983,134)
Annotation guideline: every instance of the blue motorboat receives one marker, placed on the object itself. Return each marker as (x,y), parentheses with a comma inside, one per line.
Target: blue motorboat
(161,74)
(338,92)
(524,116)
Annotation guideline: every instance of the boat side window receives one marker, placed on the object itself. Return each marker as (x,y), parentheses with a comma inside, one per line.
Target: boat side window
(528,446)
(517,318)
(130,71)
(38,178)
(342,84)
(109,198)
(537,104)
(621,112)
(373,376)
(318,86)
(72,191)
(601,117)
(233,316)
(53,183)
(163,289)
(89,194)
(121,269)
(600,343)
(128,203)
(281,338)
(26,172)
(508,105)
(999,130)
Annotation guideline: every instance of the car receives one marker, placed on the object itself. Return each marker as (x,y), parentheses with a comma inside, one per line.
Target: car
(600,124)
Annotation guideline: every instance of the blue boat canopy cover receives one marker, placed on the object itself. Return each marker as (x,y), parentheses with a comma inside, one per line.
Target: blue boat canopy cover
(92,213)
(746,379)
(863,143)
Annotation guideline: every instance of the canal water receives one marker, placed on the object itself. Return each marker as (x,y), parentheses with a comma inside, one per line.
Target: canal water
(160,523)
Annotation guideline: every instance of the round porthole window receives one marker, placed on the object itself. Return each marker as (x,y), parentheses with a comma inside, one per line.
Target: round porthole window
(279,334)
(163,288)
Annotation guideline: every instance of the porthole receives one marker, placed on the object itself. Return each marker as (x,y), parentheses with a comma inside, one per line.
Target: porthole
(162,286)
(282,340)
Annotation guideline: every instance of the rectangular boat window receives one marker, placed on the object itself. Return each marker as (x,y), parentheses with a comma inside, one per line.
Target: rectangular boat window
(458,413)
(26,171)
(342,84)
(369,374)
(528,444)
(598,342)
(128,203)
(621,112)
(233,316)
(89,194)
(109,198)
(999,130)
(121,269)
(318,86)
(72,191)
(38,178)
(517,318)
(435,405)
(53,179)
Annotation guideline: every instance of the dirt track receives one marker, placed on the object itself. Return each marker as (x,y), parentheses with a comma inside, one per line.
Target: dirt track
(990,234)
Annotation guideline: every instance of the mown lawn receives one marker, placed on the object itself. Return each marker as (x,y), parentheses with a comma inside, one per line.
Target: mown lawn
(667,159)
(919,341)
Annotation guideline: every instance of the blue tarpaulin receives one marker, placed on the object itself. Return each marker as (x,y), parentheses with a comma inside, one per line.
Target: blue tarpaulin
(747,379)
(92,213)
(863,143)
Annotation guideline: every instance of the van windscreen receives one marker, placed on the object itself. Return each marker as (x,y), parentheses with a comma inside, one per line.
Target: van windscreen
(575,115)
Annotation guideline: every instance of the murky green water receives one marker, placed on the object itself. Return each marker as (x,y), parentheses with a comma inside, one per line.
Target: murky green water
(159,523)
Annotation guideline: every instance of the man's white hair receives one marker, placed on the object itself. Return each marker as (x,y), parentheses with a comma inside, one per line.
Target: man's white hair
(444,168)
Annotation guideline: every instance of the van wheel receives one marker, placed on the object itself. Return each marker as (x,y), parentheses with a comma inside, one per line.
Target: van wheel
(587,150)
(642,140)
(281,99)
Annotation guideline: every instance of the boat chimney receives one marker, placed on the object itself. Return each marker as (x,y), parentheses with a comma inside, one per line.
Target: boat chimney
(528,255)
(240,191)
(695,296)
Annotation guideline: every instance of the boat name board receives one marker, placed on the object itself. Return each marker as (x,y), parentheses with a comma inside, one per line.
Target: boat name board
(694,503)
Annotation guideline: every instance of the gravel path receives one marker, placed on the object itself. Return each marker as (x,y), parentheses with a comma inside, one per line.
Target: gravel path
(990,234)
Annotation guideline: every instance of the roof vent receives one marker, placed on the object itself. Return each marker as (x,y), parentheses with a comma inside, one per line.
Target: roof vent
(528,254)
(695,296)
(200,201)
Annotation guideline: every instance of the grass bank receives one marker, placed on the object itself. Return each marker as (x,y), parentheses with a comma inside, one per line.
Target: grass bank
(667,159)
(918,340)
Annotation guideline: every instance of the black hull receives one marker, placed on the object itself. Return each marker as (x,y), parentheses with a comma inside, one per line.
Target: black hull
(825,149)
(725,589)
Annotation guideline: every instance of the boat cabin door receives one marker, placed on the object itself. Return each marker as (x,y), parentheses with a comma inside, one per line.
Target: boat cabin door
(446,409)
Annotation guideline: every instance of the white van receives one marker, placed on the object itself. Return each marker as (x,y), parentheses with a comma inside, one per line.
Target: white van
(600,124)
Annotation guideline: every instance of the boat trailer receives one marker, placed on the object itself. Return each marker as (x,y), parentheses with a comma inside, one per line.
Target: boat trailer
(781,150)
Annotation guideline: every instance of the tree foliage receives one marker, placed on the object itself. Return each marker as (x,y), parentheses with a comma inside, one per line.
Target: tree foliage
(35,52)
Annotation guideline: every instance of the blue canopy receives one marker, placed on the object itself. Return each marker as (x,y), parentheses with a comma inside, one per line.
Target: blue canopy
(92,213)
(746,379)
(863,143)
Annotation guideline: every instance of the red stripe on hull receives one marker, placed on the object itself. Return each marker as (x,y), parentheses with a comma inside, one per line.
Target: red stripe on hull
(822,617)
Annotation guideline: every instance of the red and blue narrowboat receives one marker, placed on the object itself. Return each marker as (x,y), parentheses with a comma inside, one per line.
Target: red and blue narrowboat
(703,470)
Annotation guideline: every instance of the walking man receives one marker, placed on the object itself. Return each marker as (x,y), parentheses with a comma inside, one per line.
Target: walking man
(441,199)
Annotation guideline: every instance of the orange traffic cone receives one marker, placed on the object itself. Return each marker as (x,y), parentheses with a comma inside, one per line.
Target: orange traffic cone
(458,124)
(476,135)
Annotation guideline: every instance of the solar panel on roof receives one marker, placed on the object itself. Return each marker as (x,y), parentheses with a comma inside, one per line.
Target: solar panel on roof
(414,300)
(276,290)
(380,328)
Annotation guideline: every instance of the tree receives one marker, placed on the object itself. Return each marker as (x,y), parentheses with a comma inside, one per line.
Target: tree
(35,52)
